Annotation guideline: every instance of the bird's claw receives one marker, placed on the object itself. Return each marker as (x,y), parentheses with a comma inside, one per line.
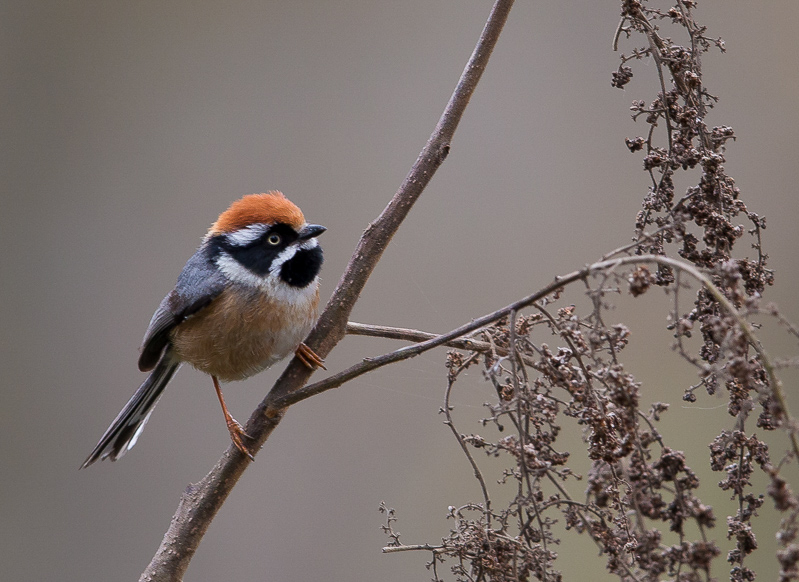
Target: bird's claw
(308,357)
(236,433)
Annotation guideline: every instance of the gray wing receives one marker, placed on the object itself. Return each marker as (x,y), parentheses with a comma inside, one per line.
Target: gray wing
(199,283)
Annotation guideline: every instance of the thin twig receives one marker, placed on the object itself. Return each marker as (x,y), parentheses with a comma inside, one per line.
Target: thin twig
(413,547)
(415,335)
(447,410)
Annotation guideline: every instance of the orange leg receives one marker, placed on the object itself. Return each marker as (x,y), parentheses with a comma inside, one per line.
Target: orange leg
(308,357)
(234,428)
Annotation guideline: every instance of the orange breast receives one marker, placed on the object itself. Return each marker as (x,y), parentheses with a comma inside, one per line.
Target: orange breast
(242,332)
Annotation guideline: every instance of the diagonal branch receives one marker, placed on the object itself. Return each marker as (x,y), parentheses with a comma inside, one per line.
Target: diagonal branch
(609,265)
(200,503)
(369,364)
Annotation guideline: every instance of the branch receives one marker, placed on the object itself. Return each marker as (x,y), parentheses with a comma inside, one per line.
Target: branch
(369,364)
(415,335)
(200,503)
(425,547)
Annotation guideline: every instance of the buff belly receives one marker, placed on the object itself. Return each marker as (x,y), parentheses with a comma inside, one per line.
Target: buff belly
(243,332)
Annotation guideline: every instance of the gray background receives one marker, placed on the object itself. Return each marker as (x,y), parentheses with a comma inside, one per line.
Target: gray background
(127,127)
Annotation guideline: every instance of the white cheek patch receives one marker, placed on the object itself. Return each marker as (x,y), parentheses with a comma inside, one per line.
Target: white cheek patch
(247,235)
(278,261)
(238,273)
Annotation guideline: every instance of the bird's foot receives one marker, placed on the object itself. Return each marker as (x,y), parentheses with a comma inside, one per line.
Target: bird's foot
(237,435)
(308,357)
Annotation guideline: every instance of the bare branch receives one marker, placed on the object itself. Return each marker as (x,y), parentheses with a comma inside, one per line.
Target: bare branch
(369,364)
(415,547)
(414,335)
(200,503)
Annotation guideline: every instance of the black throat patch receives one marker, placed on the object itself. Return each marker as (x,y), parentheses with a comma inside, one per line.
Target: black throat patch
(303,267)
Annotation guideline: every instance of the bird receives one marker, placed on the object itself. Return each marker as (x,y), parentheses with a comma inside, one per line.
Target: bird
(245,300)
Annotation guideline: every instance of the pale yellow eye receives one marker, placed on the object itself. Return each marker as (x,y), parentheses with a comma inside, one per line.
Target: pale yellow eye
(274,239)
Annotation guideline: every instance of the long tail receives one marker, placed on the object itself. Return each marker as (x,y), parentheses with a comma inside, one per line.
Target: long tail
(120,437)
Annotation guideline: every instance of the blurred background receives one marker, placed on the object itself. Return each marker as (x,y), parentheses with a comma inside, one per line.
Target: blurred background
(126,129)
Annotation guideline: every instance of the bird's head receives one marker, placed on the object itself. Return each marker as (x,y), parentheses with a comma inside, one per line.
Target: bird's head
(263,240)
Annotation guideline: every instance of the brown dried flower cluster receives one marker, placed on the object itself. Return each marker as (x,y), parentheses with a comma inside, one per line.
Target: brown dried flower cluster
(557,366)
